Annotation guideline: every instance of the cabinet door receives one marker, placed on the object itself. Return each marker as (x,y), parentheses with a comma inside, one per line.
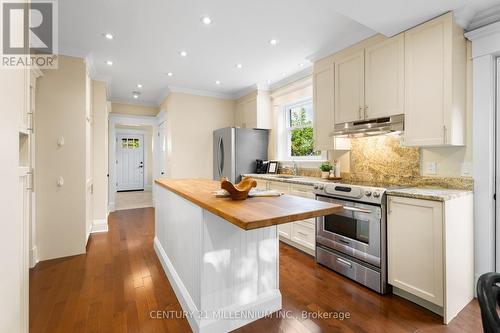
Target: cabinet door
(323,92)
(426,47)
(349,87)
(384,78)
(415,247)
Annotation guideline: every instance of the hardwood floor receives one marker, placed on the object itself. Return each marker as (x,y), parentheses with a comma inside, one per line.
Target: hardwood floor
(115,286)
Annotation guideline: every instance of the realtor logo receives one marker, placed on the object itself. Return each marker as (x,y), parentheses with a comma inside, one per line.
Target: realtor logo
(29,34)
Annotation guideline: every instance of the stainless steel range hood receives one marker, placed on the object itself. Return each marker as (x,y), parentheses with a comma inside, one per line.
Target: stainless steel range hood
(378,126)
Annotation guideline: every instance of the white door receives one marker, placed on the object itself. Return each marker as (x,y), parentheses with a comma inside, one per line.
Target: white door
(130,162)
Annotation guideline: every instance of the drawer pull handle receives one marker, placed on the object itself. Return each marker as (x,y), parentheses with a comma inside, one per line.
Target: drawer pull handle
(344,262)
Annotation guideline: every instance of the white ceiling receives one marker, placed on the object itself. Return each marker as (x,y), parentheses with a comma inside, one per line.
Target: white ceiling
(148,36)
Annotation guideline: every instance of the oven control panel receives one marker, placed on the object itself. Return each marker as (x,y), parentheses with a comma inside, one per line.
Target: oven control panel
(361,193)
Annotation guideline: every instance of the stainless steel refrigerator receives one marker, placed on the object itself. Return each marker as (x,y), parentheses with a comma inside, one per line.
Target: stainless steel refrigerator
(236,151)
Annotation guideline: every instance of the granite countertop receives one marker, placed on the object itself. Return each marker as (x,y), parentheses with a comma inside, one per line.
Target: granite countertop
(435,194)
(425,193)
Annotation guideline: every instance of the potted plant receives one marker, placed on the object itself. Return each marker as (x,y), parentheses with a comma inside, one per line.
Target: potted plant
(325,169)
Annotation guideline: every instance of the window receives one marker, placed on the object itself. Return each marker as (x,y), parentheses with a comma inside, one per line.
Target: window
(299,131)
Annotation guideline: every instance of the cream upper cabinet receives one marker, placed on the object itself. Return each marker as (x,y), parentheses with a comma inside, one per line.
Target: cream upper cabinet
(435,84)
(349,87)
(384,78)
(323,90)
(415,247)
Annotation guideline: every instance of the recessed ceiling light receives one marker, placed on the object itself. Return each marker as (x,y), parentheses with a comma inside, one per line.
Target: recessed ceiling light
(283,74)
(136,96)
(239,66)
(139,85)
(108,35)
(183,54)
(217,82)
(301,65)
(273,42)
(170,74)
(206,20)
(109,62)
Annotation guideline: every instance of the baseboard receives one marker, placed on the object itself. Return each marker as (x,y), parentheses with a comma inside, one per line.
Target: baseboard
(100,225)
(265,305)
(33,257)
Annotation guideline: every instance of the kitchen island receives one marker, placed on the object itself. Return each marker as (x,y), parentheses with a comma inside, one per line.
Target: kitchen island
(222,256)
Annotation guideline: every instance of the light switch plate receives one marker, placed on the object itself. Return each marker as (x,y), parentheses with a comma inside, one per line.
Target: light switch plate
(430,168)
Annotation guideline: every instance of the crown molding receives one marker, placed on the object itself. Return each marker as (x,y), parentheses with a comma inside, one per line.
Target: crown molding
(184,90)
(138,103)
(484,18)
(482,32)
(292,78)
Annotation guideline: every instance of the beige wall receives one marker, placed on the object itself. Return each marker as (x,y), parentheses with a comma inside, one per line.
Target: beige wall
(100,160)
(148,149)
(133,109)
(190,122)
(60,111)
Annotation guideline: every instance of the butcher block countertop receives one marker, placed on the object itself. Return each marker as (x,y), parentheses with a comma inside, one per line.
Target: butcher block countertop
(252,213)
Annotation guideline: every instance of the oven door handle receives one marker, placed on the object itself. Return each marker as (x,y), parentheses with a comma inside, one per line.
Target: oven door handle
(358,210)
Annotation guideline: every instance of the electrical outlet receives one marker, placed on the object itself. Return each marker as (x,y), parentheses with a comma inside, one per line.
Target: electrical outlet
(430,168)
(465,169)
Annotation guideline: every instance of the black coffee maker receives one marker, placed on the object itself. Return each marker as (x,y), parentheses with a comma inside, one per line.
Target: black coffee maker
(261,166)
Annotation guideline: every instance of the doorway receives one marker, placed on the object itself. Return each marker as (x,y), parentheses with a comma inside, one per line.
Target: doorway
(129,162)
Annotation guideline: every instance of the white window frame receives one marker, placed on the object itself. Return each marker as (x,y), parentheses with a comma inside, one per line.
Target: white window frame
(287,133)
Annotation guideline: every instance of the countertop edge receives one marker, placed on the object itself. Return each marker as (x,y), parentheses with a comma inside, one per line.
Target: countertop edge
(246,225)
(431,197)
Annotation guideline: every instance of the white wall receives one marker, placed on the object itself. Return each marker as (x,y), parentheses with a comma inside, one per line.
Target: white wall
(100,160)
(60,111)
(12,89)
(190,122)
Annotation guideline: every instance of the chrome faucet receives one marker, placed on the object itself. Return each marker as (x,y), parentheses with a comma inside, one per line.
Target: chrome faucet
(295,169)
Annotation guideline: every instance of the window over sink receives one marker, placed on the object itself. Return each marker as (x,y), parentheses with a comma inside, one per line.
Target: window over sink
(298,138)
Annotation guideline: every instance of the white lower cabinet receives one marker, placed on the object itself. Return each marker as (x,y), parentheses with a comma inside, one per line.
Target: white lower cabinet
(430,252)
(299,234)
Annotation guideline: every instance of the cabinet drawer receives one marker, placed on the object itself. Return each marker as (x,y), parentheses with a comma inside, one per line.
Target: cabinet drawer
(262,184)
(309,223)
(303,235)
(302,191)
(285,230)
(283,187)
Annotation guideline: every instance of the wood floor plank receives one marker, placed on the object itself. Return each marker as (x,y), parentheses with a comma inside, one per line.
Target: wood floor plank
(119,282)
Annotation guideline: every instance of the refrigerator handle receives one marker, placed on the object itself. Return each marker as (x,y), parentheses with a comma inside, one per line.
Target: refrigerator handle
(222,156)
(218,156)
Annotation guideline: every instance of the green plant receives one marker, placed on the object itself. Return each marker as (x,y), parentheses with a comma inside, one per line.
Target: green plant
(326,167)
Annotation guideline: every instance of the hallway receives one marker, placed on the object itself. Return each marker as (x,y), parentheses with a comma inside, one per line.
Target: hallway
(116,285)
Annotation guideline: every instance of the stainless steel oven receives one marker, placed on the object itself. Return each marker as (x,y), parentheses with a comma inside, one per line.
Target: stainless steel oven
(353,240)
(354,231)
